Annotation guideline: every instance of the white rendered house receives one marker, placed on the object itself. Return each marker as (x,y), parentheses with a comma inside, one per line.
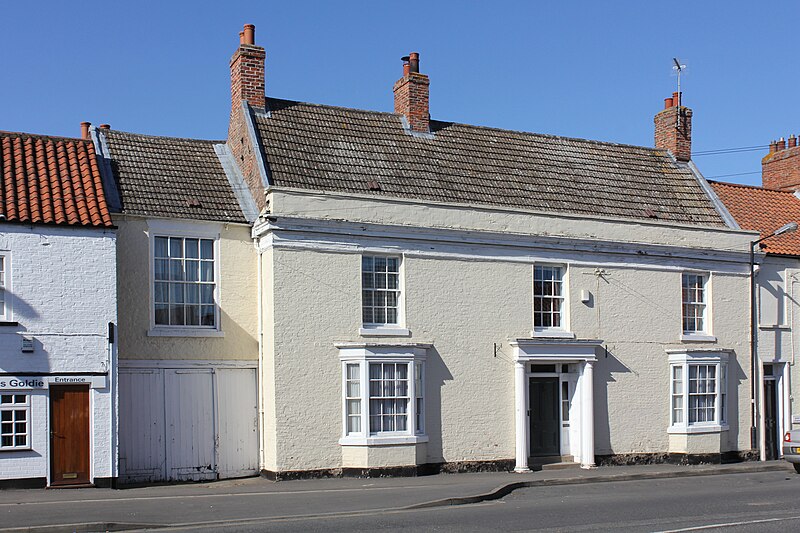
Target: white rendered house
(58,313)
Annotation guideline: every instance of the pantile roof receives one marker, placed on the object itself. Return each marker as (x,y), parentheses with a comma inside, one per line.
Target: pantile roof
(50,180)
(347,150)
(171,177)
(763,210)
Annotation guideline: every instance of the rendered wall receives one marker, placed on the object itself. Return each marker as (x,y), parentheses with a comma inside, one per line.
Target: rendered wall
(464,305)
(237,289)
(61,283)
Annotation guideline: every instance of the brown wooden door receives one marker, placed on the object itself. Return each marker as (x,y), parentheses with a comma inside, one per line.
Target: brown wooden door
(69,435)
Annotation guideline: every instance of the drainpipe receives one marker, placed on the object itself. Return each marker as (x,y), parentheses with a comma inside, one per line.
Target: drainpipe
(260,379)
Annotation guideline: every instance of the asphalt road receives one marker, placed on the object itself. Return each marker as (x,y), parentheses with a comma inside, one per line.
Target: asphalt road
(762,502)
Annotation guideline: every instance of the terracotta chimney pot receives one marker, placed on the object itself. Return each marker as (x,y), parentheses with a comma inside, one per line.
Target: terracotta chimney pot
(249,34)
(85,129)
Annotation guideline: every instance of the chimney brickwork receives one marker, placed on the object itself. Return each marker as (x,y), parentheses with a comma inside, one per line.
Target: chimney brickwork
(780,168)
(247,85)
(411,95)
(673,128)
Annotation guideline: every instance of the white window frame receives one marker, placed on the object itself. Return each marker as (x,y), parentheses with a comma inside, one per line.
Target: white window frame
(704,335)
(563,330)
(362,355)
(399,328)
(16,407)
(5,283)
(679,396)
(164,228)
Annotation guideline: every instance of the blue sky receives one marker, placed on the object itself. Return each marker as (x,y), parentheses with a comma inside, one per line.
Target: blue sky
(597,70)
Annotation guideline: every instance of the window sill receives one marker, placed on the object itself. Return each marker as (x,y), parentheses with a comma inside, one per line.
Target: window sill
(687,430)
(8,323)
(697,337)
(775,326)
(552,333)
(11,450)
(382,440)
(184,332)
(384,331)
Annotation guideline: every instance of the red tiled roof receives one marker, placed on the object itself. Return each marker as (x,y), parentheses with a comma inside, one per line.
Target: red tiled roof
(763,210)
(50,180)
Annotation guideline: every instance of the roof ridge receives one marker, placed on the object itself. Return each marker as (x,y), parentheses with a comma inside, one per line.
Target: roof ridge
(756,187)
(167,137)
(476,126)
(5,133)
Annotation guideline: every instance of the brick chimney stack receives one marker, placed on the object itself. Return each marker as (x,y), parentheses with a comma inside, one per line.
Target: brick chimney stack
(247,85)
(673,128)
(247,70)
(780,168)
(411,95)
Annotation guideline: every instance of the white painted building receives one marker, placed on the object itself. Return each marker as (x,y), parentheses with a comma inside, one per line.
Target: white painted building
(776,275)
(58,409)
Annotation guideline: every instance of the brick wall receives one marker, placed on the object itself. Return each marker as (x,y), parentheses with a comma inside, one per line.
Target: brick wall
(780,169)
(411,94)
(247,85)
(62,283)
(672,135)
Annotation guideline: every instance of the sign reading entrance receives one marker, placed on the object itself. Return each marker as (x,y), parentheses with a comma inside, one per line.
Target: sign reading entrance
(44,382)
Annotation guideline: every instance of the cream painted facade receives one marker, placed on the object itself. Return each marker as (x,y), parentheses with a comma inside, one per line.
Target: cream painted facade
(237,338)
(467,303)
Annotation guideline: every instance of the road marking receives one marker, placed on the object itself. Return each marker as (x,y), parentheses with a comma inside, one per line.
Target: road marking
(126,498)
(730,524)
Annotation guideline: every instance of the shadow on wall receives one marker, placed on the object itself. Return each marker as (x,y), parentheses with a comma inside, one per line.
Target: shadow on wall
(737,375)
(17,360)
(436,375)
(607,365)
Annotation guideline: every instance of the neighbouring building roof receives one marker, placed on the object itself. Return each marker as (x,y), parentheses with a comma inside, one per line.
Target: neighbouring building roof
(51,180)
(763,210)
(347,150)
(171,177)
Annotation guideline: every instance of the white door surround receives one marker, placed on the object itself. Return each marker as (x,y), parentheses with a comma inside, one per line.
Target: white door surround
(556,351)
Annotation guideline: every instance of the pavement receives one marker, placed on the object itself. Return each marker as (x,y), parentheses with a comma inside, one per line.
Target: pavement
(252,500)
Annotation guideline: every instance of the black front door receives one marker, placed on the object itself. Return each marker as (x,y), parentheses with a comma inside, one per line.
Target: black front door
(545,422)
(770,419)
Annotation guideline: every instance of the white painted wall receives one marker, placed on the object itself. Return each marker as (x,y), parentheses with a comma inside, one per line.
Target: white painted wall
(62,287)
(468,286)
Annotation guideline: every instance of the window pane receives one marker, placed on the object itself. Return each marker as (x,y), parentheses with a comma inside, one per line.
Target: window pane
(161,293)
(380,264)
(207,271)
(207,249)
(175,247)
(367,280)
(366,264)
(176,270)
(176,315)
(192,248)
(192,315)
(161,270)
(162,314)
(207,294)
(207,315)
(176,293)
(160,247)
(193,294)
(392,264)
(192,271)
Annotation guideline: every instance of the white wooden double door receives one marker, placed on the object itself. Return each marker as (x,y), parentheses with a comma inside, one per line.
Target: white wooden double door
(187,424)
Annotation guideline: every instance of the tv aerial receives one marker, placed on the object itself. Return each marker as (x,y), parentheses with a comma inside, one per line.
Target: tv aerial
(678,68)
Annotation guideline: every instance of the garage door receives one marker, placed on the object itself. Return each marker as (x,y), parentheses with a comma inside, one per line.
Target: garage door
(187,424)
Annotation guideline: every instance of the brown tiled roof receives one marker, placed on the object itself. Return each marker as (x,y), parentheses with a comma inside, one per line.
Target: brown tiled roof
(763,210)
(337,149)
(171,177)
(50,180)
